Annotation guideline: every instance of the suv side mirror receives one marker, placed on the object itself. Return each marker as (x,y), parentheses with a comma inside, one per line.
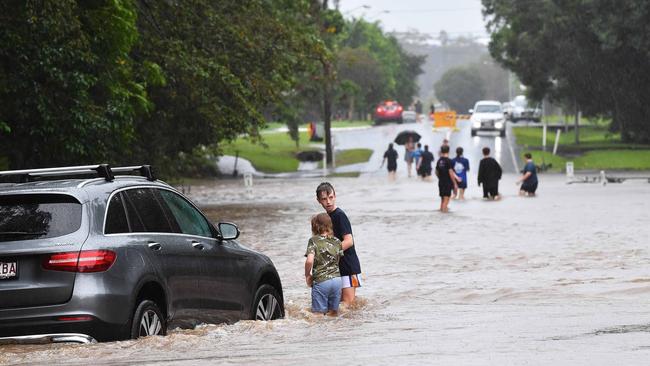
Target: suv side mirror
(228,231)
(471,111)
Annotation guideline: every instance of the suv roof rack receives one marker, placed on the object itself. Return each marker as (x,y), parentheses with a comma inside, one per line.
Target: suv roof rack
(102,170)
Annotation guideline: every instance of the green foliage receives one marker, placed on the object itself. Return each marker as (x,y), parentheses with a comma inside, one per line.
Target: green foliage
(593,54)
(67,90)
(378,64)
(460,88)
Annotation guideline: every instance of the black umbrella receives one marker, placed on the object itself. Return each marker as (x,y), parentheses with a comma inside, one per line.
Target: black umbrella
(403,137)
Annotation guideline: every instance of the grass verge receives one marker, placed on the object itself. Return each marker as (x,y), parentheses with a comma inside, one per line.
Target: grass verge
(352,156)
(276,155)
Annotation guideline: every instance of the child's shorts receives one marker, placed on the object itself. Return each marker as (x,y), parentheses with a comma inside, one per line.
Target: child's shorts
(351,281)
(326,295)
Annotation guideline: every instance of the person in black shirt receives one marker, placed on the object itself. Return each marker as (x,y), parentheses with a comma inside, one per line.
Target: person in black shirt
(489,173)
(447,179)
(391,156)
(349,265)
(424,166)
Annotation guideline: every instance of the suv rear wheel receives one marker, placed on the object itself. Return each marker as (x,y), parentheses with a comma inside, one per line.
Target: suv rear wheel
(267,305)
(148,320)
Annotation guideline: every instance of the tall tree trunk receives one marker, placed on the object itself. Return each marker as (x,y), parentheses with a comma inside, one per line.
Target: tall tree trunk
(577,124)
(327,111)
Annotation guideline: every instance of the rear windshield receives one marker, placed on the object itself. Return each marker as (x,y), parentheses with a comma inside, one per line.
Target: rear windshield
(37,216)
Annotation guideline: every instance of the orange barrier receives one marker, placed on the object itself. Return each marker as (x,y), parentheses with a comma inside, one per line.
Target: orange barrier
(444,119)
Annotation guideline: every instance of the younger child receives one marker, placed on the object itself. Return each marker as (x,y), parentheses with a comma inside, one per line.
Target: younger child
(322,266)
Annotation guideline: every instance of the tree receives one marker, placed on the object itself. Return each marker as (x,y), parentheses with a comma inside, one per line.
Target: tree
(460,88)
(591,54)
(225,63)
(68,93)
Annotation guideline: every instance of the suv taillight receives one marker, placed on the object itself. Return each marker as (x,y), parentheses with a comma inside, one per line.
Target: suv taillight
(84,261)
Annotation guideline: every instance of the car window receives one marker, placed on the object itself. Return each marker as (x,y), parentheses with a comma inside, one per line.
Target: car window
(145,212)
(116,221)
(33,216)
(189,218)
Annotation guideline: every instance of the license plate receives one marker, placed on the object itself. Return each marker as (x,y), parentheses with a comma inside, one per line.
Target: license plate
(8,270)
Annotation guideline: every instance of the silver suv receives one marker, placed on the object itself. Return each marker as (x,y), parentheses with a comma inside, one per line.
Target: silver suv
(118,257)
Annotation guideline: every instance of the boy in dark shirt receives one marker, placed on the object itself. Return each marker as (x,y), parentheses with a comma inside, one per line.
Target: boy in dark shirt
(529,180)
(447,178)
(349,265)
(489,173)
(424,166)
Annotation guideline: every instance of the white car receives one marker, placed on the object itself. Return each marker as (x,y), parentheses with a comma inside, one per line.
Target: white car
(521,110)
(487,115)
(409,116)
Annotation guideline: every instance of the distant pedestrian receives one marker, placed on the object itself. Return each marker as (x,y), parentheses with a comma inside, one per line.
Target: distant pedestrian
(447,179)
(417,154)
(391,156)
(461,167)
(418,110)
(489,174)
(529,179)
(424,167)
(322,266)
(349,265)
(409,147)
(432,109)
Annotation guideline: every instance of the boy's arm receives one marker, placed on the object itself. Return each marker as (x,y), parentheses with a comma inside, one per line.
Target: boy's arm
(347,242)
(309,264)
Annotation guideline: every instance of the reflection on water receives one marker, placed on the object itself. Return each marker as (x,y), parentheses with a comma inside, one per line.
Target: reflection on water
(512,282)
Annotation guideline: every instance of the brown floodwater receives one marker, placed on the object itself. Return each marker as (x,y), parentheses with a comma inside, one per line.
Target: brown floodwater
(562,278)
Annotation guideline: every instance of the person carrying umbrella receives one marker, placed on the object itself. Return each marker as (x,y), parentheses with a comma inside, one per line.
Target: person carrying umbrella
(408,139)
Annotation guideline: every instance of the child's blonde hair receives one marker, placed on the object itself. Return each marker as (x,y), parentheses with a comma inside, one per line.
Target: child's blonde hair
(321,224)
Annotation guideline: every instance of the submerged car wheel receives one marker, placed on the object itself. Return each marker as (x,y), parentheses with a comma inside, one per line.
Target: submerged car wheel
(148,320)
(267,305)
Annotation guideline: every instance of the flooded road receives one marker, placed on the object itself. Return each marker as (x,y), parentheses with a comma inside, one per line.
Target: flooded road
(563,278)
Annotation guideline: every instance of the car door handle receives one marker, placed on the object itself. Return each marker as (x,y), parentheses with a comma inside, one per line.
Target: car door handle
(154,246)
(197,245)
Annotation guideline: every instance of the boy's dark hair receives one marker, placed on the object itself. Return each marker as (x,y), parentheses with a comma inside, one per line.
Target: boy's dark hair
(459,151)
(486,151)
(321,224)
(444,149)
(324,187)
(528,156)
(419,145)
(426,147)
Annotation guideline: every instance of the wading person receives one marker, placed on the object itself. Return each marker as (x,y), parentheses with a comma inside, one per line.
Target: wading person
(489,173)
(461,167)
(417,154)
(408,154)
(529,179)
(322,266)
(349,265)
(391,156)
(447,179)
(424,167)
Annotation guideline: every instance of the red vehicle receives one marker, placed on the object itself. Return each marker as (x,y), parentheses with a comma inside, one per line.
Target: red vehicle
(388,111)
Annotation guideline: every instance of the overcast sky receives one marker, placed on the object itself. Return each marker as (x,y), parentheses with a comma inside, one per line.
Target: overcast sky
(456,17)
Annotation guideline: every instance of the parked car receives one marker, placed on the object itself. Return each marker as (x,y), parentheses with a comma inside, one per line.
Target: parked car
(119,257)
(487,115)
(388,111)
(409,116)
(522,110)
